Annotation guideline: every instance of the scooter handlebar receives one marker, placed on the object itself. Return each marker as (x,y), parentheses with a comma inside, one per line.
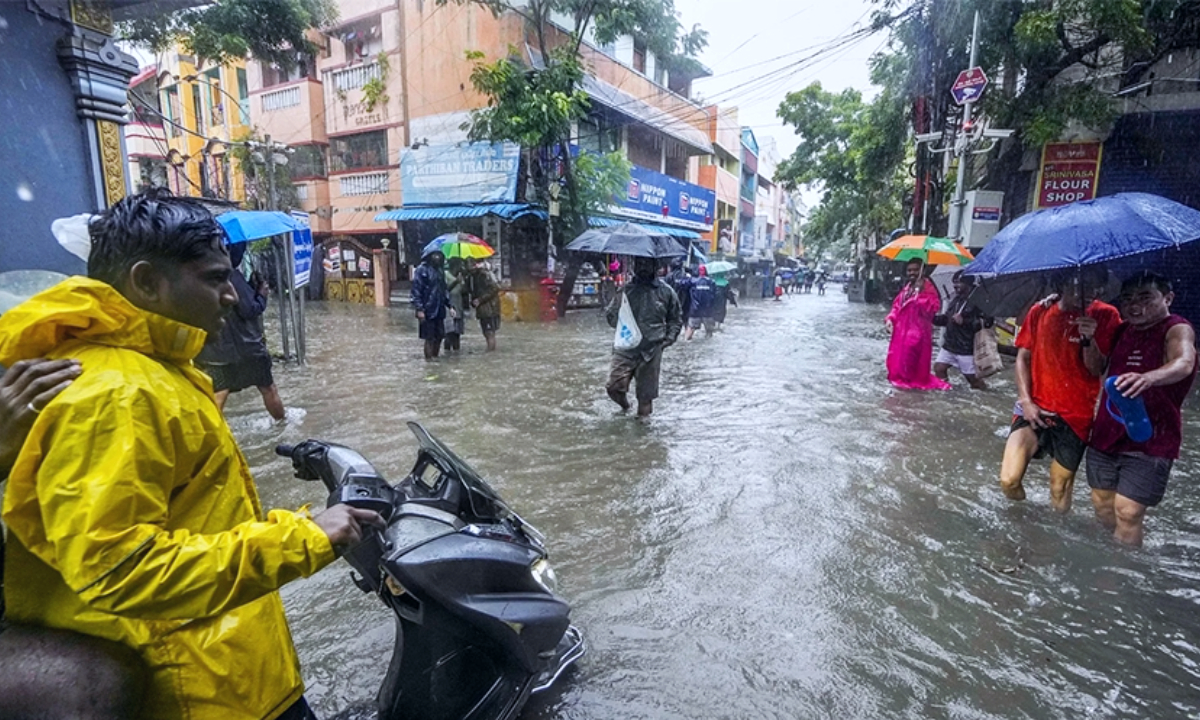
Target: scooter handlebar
(285,450)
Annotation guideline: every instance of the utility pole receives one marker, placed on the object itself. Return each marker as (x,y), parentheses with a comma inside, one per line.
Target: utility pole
(960,198)
(283,279)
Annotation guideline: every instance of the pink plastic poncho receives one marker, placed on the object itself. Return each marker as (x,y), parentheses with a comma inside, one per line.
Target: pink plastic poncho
(911,351)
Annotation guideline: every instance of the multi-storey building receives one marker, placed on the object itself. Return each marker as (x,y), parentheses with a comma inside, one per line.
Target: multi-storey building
(145,138)
(720,173)
(202,108)
(377,122)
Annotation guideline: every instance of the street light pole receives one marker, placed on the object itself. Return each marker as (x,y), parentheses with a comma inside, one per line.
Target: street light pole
(960,185)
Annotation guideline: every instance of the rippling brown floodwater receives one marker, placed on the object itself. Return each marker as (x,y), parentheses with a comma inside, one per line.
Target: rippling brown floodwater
(788,537)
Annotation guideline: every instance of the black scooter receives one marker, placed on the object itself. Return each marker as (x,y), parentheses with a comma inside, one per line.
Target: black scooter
(479,624)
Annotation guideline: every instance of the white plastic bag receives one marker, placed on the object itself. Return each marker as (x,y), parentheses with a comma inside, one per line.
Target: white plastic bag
(72,233)
(987,354)
(629,335)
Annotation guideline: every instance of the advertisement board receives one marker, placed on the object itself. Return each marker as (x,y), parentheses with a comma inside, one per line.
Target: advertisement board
(466,174)
(661,198)
(1068,174)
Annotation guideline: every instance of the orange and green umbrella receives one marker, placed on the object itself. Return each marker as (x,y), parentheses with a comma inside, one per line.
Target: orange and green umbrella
(928,249)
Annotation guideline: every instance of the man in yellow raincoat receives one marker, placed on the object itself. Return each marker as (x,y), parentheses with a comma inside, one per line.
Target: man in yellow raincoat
(131,513)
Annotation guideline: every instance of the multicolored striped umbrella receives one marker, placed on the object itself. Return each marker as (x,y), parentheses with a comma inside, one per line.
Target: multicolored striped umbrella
(459,245)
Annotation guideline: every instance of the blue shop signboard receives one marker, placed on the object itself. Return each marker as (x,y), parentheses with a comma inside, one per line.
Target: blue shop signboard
(649,193)
(460,174)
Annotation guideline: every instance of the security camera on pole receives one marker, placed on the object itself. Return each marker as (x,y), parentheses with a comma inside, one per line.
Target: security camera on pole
(968,87)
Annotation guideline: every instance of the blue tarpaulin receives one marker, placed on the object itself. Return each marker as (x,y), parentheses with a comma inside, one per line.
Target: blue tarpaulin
(246,225)
(505,211)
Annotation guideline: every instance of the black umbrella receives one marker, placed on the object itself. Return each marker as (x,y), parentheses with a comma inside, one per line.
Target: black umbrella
(627,239)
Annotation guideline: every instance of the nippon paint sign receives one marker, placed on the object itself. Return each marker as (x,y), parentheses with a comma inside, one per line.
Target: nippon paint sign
(469,173)
(661,198)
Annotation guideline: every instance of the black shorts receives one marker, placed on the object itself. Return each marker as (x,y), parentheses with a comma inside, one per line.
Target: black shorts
(489,324)
(1057,440)
(1139,477)
(248,372)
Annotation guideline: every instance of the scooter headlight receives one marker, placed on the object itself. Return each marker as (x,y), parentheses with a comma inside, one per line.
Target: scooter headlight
(544,574)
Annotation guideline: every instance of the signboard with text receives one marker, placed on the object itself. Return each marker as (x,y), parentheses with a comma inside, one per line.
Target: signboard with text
(661,198)
(460,174)
(1068,174)
(302,250)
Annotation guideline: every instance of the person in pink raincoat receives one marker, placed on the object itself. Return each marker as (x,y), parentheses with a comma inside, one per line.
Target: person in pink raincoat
(911,324)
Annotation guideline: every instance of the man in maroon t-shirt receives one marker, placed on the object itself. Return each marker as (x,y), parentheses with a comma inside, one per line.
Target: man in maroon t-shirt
(1154,358)
(1060,357)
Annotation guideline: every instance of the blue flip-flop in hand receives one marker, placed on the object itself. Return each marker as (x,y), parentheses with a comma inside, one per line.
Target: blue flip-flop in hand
(1130,412)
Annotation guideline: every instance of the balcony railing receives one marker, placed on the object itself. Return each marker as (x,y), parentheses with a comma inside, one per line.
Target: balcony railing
(280,99)
(354,77)
(365,184)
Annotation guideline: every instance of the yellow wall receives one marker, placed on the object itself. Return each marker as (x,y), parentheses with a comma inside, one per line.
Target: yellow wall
(220,117)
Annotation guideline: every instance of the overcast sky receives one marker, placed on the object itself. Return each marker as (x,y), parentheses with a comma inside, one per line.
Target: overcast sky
(746,36)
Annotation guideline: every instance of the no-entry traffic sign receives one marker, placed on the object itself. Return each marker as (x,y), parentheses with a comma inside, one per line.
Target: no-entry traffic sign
(969,85)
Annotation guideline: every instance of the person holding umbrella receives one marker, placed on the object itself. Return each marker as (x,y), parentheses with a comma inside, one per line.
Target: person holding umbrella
(658,318)
(431,301)
(911,320)
(1060,356)
(911,325)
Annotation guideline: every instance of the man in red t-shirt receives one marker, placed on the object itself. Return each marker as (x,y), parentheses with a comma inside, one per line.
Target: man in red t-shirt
(1060,357)
(1153,358)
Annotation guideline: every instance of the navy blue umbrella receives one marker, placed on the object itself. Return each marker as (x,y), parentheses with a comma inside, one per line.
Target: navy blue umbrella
(1125,232)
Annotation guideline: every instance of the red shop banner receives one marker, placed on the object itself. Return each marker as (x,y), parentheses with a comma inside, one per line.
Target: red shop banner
(1069,173)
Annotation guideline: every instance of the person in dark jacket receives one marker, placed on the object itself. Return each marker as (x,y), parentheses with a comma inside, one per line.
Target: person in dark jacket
(484,296)
(237,357)
(725,295)
(702,295)
(431,301)
(678,280)
(659,318)
(961,321)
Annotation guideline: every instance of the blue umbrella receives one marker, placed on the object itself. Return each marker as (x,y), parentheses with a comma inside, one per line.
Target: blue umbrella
(246,225)
(1126,232)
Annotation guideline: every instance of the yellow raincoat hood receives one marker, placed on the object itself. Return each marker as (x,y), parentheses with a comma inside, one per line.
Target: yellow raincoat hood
(132,514)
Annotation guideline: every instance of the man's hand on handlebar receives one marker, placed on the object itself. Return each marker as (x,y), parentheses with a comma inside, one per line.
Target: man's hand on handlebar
(344,525)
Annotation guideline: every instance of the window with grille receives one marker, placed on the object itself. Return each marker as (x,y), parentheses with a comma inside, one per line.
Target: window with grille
(364,150)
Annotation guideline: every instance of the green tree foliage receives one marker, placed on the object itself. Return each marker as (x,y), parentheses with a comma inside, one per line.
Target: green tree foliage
(853,152)
(253,166)
(1052,65)
(537,106)
(225,30)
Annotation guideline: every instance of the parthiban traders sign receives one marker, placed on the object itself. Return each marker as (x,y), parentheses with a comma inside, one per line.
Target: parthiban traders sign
(1069,173)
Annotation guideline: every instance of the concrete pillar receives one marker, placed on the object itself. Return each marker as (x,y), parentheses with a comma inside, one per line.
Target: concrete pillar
(385,275)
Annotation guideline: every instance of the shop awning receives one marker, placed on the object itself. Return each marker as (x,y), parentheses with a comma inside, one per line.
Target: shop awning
(505,211)
(681,233)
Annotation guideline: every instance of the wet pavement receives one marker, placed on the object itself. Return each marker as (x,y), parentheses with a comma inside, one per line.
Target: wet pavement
(787,537)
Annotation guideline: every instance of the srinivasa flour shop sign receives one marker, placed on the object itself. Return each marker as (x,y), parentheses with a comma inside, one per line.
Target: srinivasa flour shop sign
(1069,173)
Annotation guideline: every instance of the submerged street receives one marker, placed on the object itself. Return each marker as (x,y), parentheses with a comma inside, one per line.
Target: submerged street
(787,536)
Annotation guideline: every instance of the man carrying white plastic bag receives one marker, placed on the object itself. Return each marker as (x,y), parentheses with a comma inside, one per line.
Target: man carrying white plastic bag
(647,317)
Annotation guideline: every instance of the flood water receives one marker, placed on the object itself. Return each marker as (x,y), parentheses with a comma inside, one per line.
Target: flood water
(787,537)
